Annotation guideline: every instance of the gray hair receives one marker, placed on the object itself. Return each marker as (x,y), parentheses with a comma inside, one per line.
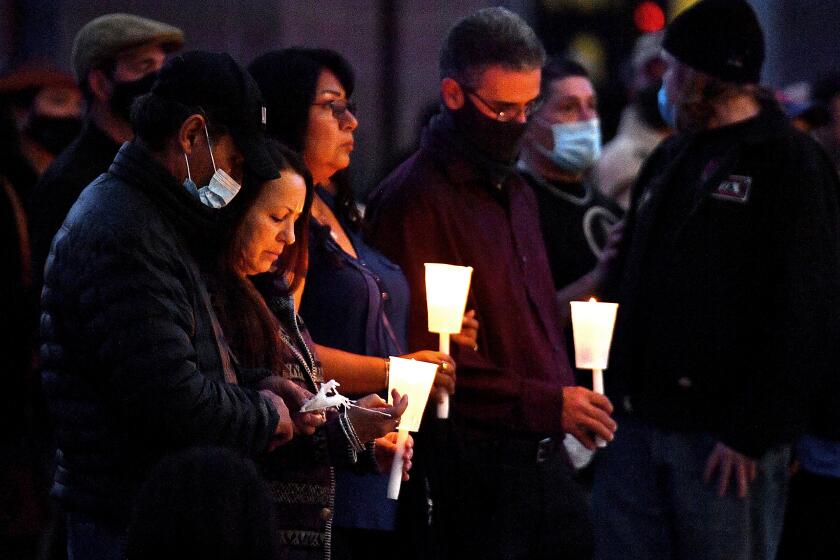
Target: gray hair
(489,37)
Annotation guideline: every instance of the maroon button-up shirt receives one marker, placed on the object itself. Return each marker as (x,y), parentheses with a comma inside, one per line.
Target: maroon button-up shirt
(437,207)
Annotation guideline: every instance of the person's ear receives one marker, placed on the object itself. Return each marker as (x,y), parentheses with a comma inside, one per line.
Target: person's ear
(190,133)
(452,94)
(100,85)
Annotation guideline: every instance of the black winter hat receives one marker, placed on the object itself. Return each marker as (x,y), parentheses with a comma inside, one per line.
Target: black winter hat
(215,82)
(721,38)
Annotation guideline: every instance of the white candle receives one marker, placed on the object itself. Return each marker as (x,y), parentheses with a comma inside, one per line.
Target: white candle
(412,378)
(447,287)
(593,324)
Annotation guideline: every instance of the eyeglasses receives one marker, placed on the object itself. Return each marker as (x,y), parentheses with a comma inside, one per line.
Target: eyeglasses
(339,107)
(510,111)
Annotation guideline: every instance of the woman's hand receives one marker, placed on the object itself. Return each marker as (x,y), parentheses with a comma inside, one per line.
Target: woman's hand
(386,448)
(284,431)
(305,423)
(444,377)
(468,337)
(370,425)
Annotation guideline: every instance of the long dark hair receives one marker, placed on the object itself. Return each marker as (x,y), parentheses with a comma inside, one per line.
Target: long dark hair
(288,79)
(250,327)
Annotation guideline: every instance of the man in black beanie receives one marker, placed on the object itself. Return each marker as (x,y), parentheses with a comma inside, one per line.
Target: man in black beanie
(727,282)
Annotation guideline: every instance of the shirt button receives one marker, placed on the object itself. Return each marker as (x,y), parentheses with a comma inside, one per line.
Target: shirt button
(326,514)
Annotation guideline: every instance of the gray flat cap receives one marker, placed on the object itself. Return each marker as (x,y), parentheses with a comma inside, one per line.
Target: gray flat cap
(103,38)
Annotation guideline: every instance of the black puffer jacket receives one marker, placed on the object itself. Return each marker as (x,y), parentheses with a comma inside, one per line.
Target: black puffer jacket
(132,366)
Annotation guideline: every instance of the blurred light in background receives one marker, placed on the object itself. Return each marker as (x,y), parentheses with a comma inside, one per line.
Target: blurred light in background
(649,17)
(588,49)
(679,5)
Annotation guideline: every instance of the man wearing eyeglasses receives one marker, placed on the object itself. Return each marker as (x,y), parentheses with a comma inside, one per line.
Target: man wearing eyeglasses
(505,488)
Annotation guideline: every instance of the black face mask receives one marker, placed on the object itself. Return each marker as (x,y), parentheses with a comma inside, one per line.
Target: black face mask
(53,133)
(125,93)
(495,139)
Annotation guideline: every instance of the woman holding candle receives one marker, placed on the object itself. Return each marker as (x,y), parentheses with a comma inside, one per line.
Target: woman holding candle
(355,301)
(273,349)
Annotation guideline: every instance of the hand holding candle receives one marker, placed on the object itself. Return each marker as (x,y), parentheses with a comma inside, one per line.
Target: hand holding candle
(593,323)
(412,378)
(447,287)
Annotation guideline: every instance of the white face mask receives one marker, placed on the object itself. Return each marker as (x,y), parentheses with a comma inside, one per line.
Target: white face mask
(577,145)
(220,190)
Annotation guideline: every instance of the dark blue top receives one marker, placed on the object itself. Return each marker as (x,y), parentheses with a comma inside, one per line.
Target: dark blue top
(360,306)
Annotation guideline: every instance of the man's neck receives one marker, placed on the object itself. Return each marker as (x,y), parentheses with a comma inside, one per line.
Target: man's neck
(546,169)
(169,159)
(115,127)
(734,110)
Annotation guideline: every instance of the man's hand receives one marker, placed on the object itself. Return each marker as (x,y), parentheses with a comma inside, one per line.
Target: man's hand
(468,337)
(386,448)
(285,429)
(586,414)
(608,254)
(731,463)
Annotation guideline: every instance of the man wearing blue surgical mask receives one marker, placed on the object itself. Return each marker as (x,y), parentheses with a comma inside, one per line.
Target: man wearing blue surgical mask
(562,144)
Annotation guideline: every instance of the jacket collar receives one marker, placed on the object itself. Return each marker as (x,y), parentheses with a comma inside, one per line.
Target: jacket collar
(197,223)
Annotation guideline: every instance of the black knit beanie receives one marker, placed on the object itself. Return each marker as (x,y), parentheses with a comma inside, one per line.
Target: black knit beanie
(721,38)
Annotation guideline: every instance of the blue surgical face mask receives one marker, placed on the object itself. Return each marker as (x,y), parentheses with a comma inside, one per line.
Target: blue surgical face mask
(577,145)
(667,109)
(219,191)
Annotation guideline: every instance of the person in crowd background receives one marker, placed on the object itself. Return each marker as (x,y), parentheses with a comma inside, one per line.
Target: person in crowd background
(204,502)
(355,301)
(21,500)
(561,146)
(812,518)
(726,278)
(116,58)
(507,489)
(826,94)
(46,106)
(641,127)
(134,362)
(265,333)
(579,225)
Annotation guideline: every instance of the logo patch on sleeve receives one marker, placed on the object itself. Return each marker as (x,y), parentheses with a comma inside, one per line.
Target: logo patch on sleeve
(735,188)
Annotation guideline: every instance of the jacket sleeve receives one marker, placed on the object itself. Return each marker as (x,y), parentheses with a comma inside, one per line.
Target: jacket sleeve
(803,211)
(126,303)
(409,230)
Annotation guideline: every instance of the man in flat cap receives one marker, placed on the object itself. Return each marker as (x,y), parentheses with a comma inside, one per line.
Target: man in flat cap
(115,59)
(728,319)
(133,363)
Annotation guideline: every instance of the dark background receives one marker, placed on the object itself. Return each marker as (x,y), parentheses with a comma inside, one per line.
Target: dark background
(393,45)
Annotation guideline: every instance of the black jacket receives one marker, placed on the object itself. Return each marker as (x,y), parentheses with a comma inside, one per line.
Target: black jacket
(132,365)
(728,314)
(85,159)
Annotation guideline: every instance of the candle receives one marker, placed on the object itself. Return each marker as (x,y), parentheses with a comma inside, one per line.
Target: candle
(447,287)
(412,378)
(592,324)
